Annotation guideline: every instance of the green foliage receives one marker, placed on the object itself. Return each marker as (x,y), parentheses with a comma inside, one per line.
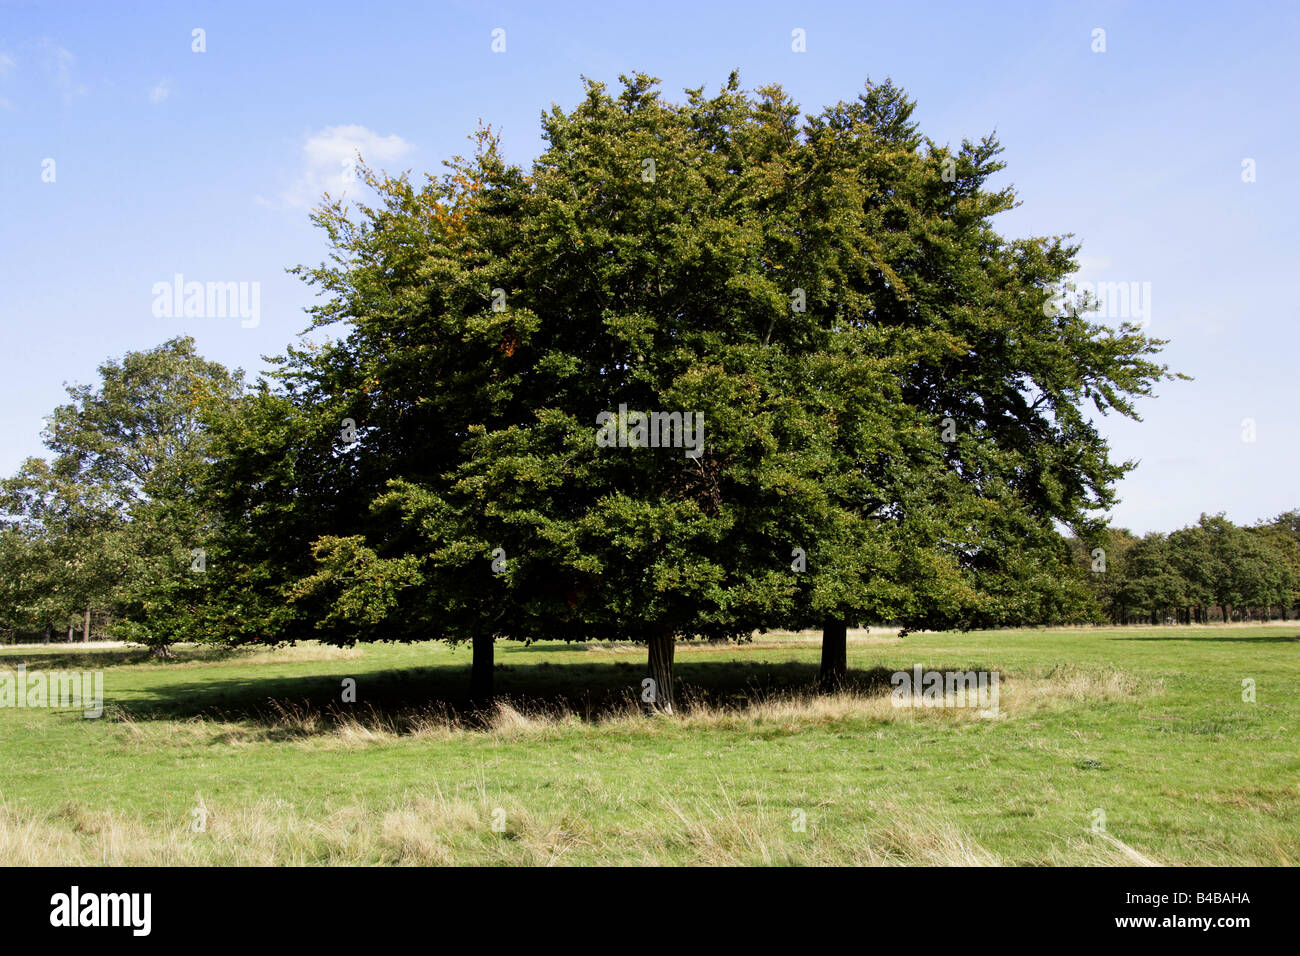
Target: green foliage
(112,523)
(825,292)
(64,546)
(895,411)
(1253,571)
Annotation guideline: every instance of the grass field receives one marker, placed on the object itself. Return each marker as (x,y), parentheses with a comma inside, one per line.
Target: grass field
(1144,725)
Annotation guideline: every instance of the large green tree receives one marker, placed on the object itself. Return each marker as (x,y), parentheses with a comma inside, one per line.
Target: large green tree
(893,397)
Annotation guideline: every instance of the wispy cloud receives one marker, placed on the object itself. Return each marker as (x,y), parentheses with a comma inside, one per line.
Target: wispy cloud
(60,65)
(160,91)
(328,160)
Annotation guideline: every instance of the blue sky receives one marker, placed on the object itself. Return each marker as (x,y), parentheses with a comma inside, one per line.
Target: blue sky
(170,161)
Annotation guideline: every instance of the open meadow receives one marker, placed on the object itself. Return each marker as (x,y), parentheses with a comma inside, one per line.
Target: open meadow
(1110,746)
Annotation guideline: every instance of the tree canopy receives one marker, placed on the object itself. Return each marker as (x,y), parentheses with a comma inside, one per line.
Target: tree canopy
(895,406)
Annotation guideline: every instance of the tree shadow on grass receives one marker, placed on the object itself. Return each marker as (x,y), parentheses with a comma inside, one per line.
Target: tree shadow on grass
(404,700)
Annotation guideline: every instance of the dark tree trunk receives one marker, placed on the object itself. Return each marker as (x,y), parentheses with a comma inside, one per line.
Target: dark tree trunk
(160,652)
(70,631)
(85,627)
(835,655)
(658,697)
(480,675)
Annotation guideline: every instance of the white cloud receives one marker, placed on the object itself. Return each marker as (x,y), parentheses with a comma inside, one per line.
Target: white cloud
(329,158)
(160,92)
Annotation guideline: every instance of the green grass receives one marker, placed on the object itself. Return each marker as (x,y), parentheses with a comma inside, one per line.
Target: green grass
(1146,725)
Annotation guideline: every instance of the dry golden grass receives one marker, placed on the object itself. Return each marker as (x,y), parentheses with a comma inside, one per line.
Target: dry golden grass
(434,831)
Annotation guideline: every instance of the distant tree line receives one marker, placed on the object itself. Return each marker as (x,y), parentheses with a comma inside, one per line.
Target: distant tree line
(1213,570)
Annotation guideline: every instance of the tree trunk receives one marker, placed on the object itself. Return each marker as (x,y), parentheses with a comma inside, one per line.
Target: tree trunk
(480,674)
(70,630)
(835,655)
(85,627)
(658,696)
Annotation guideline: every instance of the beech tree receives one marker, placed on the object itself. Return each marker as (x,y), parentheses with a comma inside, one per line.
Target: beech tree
(953,522)
(892,395)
